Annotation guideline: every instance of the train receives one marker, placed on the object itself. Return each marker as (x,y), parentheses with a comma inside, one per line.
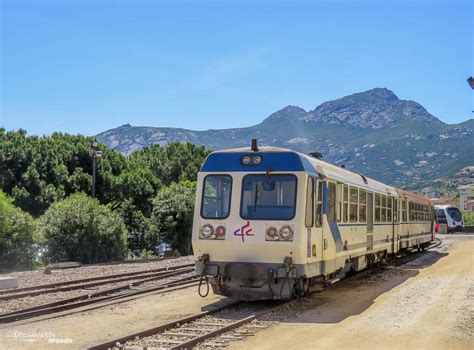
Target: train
(450,216)
(273,223)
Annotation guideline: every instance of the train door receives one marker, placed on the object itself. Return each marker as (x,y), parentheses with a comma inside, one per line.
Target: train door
(309,216)
(370,220)
(317,243)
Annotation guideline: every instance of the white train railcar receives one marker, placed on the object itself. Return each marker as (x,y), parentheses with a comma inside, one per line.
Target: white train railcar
(270,223)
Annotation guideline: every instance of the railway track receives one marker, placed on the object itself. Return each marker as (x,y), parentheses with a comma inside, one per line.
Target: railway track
(216,328)
(116,293)
(93,282)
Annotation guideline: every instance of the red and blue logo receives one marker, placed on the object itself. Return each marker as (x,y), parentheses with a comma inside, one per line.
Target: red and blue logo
(244,231)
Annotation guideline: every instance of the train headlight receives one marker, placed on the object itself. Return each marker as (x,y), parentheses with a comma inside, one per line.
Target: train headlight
(246,160)
(220,232)
(206,231)
(257,160)
(286,233)
(272,233)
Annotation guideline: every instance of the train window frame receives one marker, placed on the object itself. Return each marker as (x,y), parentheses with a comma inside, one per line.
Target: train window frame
(331,216)
(383,208)
(362,205)
(404,205)
(352,203)
(339,193)
(318,203)
(309,211)
(229,205)
(295,202)
(345,204)
(377,207)
(389,209)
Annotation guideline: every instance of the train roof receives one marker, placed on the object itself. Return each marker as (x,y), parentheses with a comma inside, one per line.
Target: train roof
(331,171)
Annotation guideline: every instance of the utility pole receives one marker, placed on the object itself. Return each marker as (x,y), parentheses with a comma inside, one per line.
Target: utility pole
(94,153)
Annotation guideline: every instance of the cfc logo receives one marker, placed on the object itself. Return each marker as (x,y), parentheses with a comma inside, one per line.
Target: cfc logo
(244,231)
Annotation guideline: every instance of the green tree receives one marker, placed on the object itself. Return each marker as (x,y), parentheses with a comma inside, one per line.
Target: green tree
(142,234)
(79,228)
(17,245)
(173,210)
(174,163)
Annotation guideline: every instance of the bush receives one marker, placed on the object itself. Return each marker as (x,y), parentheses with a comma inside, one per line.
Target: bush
(78,228)
(468,217)
(17,246)
(173,210)
(142,235)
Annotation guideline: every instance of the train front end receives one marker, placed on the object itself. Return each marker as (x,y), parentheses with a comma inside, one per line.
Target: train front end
(246,232)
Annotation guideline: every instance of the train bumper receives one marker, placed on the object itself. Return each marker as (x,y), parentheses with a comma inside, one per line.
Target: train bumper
(250,281)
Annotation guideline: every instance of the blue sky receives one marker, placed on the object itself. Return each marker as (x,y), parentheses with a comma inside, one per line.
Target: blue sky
(87,66)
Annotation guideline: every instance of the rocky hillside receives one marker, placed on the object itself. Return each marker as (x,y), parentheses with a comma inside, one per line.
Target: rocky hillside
(372,132)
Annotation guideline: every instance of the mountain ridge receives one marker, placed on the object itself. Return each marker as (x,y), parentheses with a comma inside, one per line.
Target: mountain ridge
(372,132)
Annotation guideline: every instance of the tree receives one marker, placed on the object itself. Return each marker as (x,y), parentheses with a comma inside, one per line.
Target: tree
(173,210)
(79,228)
(142,234)
(174,163)
(17,246)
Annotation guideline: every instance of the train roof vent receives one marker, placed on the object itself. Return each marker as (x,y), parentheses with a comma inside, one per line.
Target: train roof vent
(317,155)
(364,179)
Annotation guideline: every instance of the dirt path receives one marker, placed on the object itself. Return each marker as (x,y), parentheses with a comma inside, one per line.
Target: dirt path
(425,304)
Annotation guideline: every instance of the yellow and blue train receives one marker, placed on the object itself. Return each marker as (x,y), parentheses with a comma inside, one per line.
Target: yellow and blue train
(270,223)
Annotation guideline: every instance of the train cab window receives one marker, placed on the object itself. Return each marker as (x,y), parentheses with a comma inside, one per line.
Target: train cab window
(404,211)
(345,204)
(216,197)
(331,201)
(319,203)
(389,209)
(362,206)
(441,216)
(309,203)
(354,198)
(268,197)
(377,207)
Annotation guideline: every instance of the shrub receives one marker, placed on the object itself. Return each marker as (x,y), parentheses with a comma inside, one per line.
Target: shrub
(17,246)
(173,210)
(468,217)
(78,228)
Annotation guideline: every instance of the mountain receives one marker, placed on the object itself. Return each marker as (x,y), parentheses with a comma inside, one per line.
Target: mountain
(372,132)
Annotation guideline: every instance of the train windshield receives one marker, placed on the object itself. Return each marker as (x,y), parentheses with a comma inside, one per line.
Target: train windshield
(455,214)
(268,197)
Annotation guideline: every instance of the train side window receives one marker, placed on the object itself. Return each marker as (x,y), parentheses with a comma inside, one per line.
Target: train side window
(309,203)
(383,209)
(404,211)
(377,207)
(411,212)
(339,202)
(354,199)
(389,209)
(332,201)
(345,204)
(319,203)
(362,206)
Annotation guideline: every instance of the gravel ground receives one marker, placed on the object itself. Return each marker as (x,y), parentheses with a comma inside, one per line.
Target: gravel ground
(32,278)
(427,303)
(31,301)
